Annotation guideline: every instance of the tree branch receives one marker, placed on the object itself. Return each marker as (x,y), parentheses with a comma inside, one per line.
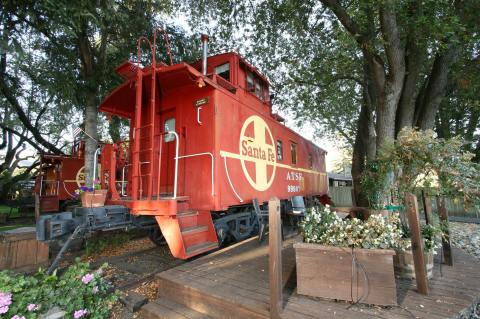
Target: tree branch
(352,27)
(24,118)
(393,46)
(27,139)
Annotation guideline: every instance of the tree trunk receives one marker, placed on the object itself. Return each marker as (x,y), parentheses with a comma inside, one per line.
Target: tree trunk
(361,148)
(436,87)
(390,95)
(91,137)
(406,108)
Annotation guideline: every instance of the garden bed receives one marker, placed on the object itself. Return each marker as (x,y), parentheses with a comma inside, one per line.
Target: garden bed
(358,275)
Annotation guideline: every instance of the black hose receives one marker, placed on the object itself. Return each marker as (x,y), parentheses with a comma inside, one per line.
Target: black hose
(65,246)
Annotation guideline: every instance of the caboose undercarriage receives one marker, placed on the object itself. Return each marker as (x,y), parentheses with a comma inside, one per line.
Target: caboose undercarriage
(233,225)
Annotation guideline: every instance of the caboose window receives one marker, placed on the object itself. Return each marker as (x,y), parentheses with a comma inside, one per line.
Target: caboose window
(310,160)
(169,127)
(279,150)
(223,71)
(293,152)
(250,82)
(259,90)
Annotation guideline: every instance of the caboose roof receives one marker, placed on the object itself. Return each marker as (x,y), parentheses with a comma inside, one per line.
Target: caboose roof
(249,66)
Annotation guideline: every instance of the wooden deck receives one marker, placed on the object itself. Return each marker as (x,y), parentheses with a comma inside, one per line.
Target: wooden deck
(233,283)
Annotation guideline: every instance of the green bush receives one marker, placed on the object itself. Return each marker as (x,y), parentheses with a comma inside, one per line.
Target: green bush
(79,292)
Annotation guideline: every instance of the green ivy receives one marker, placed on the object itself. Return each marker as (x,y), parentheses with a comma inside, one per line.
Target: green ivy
(68,292)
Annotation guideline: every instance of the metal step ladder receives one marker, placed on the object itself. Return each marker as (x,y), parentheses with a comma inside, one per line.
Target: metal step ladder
(189,232)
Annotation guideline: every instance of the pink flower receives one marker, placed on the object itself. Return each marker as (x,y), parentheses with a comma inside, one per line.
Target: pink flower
(32,307)
(18,317)
(5,299)
(80,313)
(3,309)
(95,290)
(87,278)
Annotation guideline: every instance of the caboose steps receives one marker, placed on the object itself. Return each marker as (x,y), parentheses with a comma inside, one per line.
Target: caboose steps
(213,305)
(193,230)
(163,308)
(201,248)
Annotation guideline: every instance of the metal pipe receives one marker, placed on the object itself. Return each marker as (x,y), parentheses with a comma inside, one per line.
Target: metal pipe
(123,180)
(159,165)
(41,184)
(198,115)
(230,181)
(205,53)
(95,162)
(177,142)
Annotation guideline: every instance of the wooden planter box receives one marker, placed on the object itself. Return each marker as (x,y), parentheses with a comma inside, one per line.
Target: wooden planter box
(20,250)
(326,271)
(94,199)
(404,266)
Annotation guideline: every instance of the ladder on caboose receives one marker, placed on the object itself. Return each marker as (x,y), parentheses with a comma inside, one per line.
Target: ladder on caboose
(188,232)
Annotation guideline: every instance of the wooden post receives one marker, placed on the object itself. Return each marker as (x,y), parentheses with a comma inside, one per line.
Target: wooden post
(354,202)
(443,214)
(427,206)
(417,243)
(275,257)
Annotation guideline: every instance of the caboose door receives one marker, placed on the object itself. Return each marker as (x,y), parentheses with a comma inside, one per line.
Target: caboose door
(168,120)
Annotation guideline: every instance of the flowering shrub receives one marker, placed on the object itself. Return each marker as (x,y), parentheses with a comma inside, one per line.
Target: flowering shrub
(86,189)
(432,237)
(79,292)
(324,227)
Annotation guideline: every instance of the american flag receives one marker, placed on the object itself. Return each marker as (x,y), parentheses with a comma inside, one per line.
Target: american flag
(77,131)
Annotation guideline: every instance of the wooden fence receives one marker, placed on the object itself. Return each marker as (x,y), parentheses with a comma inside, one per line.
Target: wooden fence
(342,197)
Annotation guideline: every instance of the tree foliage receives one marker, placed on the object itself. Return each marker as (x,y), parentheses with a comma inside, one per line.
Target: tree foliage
(361,69)
(419,159)
(58,62)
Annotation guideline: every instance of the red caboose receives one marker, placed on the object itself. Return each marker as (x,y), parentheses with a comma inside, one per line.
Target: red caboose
(58,178)
(203,144)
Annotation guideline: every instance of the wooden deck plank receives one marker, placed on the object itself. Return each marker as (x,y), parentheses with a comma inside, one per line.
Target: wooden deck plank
(236,282)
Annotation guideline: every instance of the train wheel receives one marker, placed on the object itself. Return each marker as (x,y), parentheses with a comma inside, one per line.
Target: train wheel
(156,236)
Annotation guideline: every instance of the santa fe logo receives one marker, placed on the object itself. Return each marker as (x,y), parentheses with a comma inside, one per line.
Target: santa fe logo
(260,150)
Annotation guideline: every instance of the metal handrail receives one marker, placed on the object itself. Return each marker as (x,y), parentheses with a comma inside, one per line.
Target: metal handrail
(41,185)
(230,181)
(123,176)
(95,162)
(177,140)
(65,188)
(199,154)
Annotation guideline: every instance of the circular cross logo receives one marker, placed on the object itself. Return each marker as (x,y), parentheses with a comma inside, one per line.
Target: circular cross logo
(80,177)
(257,146)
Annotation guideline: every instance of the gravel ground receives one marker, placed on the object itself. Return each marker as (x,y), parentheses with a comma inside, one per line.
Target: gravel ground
(467,237)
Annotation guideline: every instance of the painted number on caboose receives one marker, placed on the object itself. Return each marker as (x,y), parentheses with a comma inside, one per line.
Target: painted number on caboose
(294,176)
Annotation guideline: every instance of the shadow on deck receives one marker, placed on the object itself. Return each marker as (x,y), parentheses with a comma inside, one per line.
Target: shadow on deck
(233,283)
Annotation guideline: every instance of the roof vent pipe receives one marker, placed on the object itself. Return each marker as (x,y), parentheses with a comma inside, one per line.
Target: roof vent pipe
(205,53)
